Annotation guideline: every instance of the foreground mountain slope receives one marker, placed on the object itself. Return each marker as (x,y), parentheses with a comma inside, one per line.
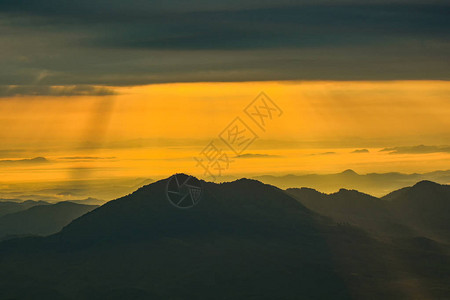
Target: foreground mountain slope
(244,205)
(244,240)
(42,219)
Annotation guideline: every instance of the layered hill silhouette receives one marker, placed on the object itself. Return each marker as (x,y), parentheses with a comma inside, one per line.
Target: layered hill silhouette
(41,219)
(353,207)
(237,207)
(420,210)
(243,240)
(425,207)
(88,201)
(9,206)
(378,184)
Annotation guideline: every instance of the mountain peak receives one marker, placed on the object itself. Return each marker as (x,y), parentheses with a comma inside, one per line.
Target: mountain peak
(246,181)
(349,172)
(426,183)
(243,204)
(344,191)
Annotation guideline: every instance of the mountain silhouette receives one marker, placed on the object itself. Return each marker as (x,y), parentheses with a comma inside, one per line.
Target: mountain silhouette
(425,207)
(349,172)
(420,210)
(243,240)
(353,207)
(41,219)
(238,207)
(377,184)
(8,207)
(88,201)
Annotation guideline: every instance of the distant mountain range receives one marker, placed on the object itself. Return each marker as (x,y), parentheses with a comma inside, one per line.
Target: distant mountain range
(420,210)
(88,201)
(88,189)
(12,205)
(243,240)
(377,184)
(424,207)
(40,219)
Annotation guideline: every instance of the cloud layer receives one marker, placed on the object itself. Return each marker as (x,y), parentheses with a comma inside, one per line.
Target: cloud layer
(420,149)
(52,43)
(27,161)
(44,90)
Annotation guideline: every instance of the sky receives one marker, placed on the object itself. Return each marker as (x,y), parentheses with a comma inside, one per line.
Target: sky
(103,90)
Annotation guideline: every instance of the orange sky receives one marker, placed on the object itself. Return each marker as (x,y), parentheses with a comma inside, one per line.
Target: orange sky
(156,130)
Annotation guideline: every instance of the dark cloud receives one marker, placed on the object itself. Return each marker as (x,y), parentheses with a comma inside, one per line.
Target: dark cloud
(420,149)
(47,42)
(360,151)
(283,27)
(36,90)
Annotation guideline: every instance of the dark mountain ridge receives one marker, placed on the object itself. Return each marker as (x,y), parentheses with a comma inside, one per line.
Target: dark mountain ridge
(8,207)
(41,219)
(425,207)
(377,184)
(243,240)
(420,210)
(237,207)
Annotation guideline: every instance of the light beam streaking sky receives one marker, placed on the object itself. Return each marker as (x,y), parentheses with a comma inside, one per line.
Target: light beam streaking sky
(156,130)
(102,90)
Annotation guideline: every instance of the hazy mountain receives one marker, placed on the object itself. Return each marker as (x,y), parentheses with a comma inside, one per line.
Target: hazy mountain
(425,207)
(243,240)
(73,190)
(353,207)
(12,206)
(41,219)
(372,183)
(422,209)
(88,201)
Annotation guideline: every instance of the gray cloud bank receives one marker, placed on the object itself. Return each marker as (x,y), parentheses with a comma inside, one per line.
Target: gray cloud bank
(83,43)
(419,149)
(360,151)
(27,161)
(43,90)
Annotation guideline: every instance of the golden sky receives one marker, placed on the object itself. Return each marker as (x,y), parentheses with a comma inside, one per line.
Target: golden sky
(156,130)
